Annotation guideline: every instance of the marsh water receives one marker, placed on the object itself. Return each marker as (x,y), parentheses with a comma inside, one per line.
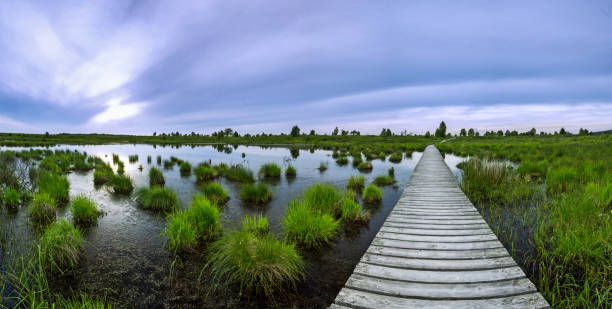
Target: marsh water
(125,258)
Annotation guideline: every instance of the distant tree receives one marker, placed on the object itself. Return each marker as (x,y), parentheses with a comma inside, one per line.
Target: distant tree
(295,152)
(441,130)
(583,132)
(344,133)
(532,132)
(500,133)
(463,132)
(471,132)
(427,134)
(507,133)
(335,132)
(355,132)
(236,134)
(47,133)
(562,131)
(312,132)
(295,131)
(477,134)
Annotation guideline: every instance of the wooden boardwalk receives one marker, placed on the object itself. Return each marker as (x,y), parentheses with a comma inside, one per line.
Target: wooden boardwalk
(436,251)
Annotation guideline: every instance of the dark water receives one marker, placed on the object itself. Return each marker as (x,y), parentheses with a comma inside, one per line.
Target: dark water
(125,257)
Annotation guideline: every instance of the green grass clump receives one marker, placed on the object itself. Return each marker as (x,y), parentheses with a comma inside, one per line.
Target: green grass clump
(382,155)
(357,160)
(259,265)
(57,186)
(205,217)
(205,173)
(257,225)
(133,158)
(391,172)
(308,227)
(356,183)
(103,173)
(180,232)
(157,199)
(11,198)
(84,302)
(270,170)
(169,164)
(115,158)
(365,166)
(81,165)
(60,246)
(256,193)
(324,198)
(120,168)
(221,168)
(185,168)
(156,177)
(239,173)
(215,192)
(395,157)
(42,208)
(372,194)
(290,172)
(121,184)
(352,212)
(561,179)
(384,180)
(342,161)
(187,228)
(322,167)
(535,169)
(84,210)
(158,159)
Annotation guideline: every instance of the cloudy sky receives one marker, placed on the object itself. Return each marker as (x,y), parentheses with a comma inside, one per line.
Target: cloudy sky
(143,66)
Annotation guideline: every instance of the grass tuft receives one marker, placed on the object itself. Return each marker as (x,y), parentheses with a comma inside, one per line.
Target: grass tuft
(257,225)
(121,184)
(290,172)
(84,210)
(259,265)
(372,194)
(205,173)
(42,208)
(157,199)
(356,183)
(256,193)
(307,227)
(156,177)
(60,246)
(215,192)
(270,170)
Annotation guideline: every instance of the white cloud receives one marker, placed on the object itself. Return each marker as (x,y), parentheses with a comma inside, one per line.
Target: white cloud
(117,111)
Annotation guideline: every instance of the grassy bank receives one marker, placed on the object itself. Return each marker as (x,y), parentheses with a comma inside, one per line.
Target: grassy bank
(553,211)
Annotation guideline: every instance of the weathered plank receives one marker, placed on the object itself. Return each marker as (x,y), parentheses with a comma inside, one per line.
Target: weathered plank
(436,251)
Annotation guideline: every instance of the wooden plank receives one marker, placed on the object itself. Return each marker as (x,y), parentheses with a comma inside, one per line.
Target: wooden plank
(425,264)
(425,238)
(360,299)
(438,254)
(442,290)
(434,276)
(429,232)
(437,246)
